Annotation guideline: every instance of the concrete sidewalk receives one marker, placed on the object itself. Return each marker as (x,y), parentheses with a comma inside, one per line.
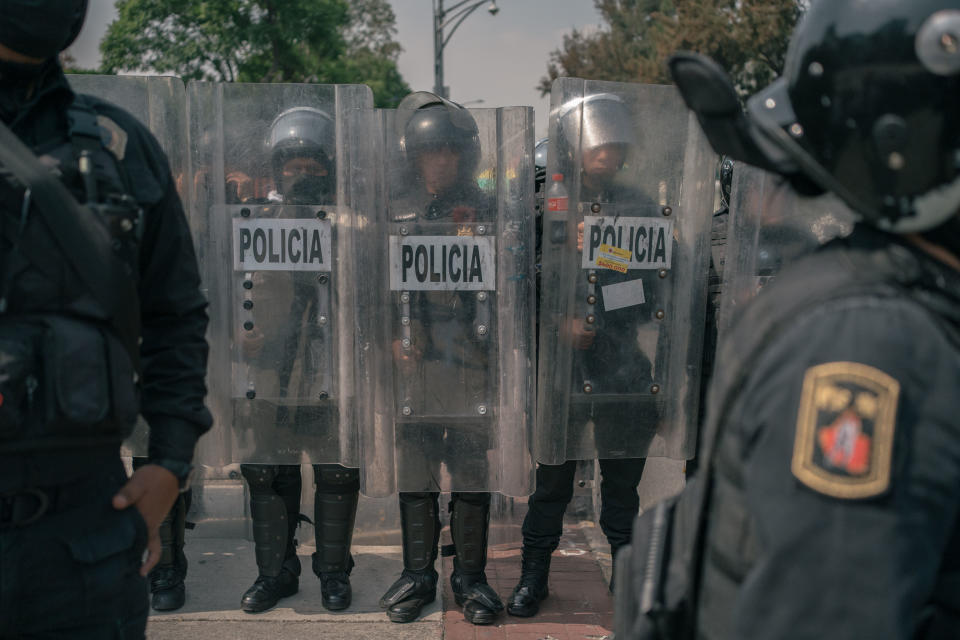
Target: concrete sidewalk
(579,606)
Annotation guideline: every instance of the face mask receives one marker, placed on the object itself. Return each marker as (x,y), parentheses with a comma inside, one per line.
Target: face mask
(309,190)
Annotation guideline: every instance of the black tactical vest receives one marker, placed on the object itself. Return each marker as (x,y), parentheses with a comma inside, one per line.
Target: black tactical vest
(66,378)
(722,556)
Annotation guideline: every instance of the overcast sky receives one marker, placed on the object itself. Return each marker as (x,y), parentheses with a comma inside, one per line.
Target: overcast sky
(498,59)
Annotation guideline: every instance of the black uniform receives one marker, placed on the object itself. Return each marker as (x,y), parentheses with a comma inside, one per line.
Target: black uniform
(70,561)
(275,490)
(826,502)
(612,367)
(441,369)
(834,479)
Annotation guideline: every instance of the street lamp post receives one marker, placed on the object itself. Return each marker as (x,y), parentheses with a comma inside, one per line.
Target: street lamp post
(442,18)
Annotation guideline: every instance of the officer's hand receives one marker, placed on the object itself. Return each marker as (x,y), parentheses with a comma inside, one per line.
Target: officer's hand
(575,332)
(580,236)
(251,342)
(405,357)
(152,490)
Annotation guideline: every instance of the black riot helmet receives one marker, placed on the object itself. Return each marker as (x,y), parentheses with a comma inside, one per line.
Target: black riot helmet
(40,28)
(426,122)
(540,163)
(310,134)
(868,107)
(540,154)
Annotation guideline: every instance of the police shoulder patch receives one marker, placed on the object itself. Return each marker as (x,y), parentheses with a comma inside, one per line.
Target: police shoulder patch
(844,441)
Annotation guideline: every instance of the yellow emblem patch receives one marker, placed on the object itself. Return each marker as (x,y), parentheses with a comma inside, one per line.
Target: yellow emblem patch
(844,441)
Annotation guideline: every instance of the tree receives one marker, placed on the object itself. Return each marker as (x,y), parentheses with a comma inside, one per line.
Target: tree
(322,41)
(747,37)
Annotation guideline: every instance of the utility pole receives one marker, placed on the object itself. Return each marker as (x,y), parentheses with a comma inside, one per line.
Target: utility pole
(443,18)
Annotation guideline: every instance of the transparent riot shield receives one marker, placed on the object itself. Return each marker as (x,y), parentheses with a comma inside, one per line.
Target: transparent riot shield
(447,317)
(159,103)
(770,226)
(626,241)
(275,196)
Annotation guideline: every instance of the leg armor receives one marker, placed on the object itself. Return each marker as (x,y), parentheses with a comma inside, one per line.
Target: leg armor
(274,498)
(335,511)
(469,528)
(275,508)
(417,586)
(166,579)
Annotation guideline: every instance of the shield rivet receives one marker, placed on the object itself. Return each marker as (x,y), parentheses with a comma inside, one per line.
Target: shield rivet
(322,320)
(482,330)
(248,284)
(592,278)
(403,231)
(323,395)
(322,278)
(405,343)
(251,394)
(591,318)
(481,229)
(245,212)
(248,304)
(667,211)
(660,314)
(662,273)
(587,387)
(481,296)
(655,388)
(591,299)
(405,321)
(404,297)
(248,325)
(406,410)
(595,207)
(482,409)
(321,214)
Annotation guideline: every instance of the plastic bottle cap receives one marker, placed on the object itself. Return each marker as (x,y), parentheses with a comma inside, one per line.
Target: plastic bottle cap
(557,177)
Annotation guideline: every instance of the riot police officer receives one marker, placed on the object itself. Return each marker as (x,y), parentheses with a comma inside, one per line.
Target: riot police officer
(302,142)
(827,500)
(602,355)
(441,150)
(100,303)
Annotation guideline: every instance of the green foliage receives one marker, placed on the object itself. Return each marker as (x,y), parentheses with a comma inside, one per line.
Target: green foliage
(321,41)
(747,37)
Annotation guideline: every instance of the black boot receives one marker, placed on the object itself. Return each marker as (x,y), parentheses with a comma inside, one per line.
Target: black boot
(335,511)
(469,526)
(273,537)
(532,588)
(166,579)
(417,586)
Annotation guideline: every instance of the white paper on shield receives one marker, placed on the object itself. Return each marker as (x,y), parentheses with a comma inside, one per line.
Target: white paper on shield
(623,294)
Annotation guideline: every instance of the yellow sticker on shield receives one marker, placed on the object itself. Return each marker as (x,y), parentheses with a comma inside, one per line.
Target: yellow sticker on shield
(615,258)
(844,442)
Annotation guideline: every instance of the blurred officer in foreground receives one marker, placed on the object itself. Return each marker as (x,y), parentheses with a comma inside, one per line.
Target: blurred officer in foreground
(101,318)
(303,151)
(827,501)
